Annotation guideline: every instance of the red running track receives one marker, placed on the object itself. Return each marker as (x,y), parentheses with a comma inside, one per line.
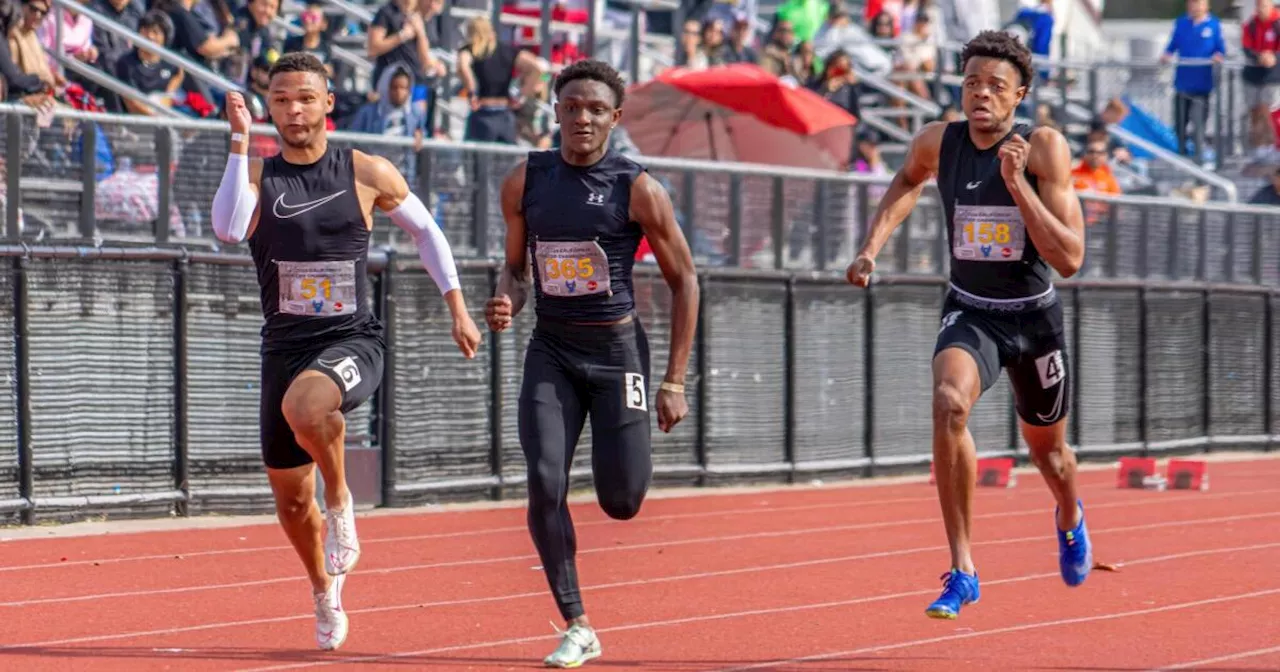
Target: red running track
(833,578)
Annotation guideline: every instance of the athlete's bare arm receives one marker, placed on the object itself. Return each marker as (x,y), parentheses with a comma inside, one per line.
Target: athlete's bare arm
(1052,212)
(516,276)
(235,205)
(900,199)
(651,208)
(381,184)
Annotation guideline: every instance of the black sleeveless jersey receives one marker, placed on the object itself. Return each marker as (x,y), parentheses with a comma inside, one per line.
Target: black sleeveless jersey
(579,231)
(311,249)
(991,254)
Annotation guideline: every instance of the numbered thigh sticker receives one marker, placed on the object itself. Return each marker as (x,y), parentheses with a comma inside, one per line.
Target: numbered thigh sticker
(1050,369)
(988,233)
(346,368)
(575,268)
(637,397)
(317,288)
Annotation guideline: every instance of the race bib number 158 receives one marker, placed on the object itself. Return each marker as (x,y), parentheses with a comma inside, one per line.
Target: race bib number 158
(988,233)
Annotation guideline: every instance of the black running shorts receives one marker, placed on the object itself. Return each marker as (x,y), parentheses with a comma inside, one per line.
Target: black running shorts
(354,364)
(1029,343)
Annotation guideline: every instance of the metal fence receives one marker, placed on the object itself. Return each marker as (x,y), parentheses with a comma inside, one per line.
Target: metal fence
(132,347)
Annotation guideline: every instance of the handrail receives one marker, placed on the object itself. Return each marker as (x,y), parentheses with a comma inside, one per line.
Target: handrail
(352,10)
(893,130)
(885,86)
(655,162)
(189,66)
(114,85)
(1181,163)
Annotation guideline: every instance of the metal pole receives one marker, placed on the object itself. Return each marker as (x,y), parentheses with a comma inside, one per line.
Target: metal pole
(633,46)
(734,253)
(1206,398)
(700,342)
(1142,368)
(1219,120)
(13,177)
(593,19)
(181,421)
(1268,366)
(22,369)
(869,379)
(495,400)
(164,175)
(387,391)
(88,176)
(1076,366)
(544,31)
(789,380)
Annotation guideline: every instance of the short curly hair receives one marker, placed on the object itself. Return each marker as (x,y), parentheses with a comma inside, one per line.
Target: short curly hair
(298,61)
(1000,45)
(597,71)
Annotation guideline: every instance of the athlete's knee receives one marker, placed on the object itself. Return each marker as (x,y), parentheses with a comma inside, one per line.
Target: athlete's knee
(294,504)
(1052,455)
(310,406)
(622,504)
(950,406)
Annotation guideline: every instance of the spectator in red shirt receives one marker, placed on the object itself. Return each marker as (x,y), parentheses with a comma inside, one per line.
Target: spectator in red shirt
(1261,37)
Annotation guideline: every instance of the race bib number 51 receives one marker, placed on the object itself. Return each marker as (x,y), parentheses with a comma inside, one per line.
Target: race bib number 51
(988,233)
(317,288)
(576,268)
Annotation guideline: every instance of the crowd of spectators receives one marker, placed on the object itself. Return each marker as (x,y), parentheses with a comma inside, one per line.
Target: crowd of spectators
(503,84)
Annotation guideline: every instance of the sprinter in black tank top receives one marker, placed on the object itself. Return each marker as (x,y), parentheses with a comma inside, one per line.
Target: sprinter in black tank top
(579,213)
(1011,215)
(307,213)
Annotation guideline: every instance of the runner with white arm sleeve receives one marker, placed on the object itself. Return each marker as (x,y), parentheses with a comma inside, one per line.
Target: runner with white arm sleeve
(307,214)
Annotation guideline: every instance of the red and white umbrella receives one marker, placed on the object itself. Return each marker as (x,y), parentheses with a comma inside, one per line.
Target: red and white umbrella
(737,113)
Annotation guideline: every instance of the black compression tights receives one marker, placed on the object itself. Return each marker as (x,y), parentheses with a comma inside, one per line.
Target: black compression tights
(563,383)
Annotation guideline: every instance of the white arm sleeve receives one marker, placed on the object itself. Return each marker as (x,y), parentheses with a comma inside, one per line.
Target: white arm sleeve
(235,201)
(433,247)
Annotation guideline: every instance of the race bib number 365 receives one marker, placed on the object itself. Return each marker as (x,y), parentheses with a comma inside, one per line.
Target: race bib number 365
(317,288)
(988,233)
(576,268)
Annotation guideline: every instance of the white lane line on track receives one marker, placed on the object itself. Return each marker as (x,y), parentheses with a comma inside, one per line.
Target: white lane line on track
(590,551)
(523,529)
(607,549)
(840,603)
(763,509)
(603,549)
(1220,659)
(634,583)
(1003,631)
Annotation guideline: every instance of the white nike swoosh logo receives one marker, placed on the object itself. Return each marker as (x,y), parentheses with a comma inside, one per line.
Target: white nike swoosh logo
(1055,413)
(973,185)
(296,210)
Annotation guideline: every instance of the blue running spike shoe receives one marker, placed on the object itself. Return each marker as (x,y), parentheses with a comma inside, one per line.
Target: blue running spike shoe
(958,589)
(1075,552)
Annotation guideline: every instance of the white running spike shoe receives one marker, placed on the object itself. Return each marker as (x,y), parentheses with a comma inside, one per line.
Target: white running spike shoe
(331,619)
(579,645)
(341,547)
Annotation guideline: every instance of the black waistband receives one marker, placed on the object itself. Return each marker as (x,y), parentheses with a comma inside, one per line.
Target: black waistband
(1028,304)
(593,332)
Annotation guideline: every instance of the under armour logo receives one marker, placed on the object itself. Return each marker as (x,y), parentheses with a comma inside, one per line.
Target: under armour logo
(595,199)
(973,185)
